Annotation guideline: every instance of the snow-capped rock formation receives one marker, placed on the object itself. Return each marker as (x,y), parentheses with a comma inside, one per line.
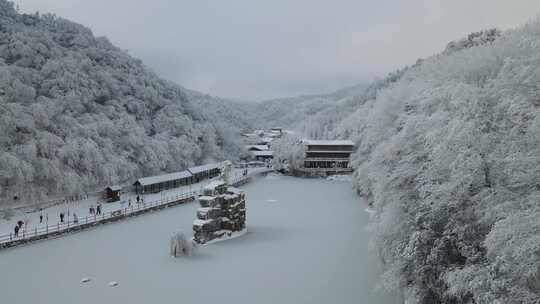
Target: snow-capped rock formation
(222,213)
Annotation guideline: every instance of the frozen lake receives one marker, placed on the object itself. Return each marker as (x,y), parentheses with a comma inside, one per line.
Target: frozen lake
(306,244)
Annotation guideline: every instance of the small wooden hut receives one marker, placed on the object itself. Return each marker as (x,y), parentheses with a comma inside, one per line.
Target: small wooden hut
(112,193)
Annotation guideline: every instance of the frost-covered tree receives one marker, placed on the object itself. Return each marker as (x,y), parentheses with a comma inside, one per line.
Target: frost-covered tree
(288,153)
(447,154)
(77,113)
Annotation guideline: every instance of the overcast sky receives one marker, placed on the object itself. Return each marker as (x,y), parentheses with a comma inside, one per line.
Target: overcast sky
(278,48)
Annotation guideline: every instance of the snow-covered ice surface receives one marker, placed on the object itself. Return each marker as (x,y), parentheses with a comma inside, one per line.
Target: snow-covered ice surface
(309,248)
(227,237)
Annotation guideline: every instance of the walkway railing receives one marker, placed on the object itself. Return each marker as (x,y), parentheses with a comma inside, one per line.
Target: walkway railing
(87,221)
(27,235)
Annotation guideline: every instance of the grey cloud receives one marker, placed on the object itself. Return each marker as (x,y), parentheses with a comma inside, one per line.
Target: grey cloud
(266,49)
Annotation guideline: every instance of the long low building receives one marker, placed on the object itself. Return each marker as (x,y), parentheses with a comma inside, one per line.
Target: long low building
(205,171)
(154,184)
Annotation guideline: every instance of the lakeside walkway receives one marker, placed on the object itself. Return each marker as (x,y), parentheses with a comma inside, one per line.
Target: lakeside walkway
(115,212)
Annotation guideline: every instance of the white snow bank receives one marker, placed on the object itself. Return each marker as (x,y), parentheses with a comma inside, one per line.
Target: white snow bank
(226,236)
(340,178)
(370,211)
(199,222)
(273,176)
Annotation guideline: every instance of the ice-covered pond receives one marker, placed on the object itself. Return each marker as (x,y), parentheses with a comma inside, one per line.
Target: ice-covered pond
(307,243)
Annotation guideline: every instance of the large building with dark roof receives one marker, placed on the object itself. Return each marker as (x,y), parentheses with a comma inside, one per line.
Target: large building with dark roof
(327,156)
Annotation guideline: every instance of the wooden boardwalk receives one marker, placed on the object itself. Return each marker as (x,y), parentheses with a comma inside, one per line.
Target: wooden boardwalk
(60,229)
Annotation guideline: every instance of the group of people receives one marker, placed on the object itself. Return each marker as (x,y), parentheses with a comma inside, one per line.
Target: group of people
(75,217)
(95,210)
(20,223)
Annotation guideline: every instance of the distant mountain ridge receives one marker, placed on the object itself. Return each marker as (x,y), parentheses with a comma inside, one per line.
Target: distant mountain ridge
(295,112)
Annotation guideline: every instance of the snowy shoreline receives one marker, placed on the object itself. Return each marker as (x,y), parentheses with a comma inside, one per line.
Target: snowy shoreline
(50,215)
(225,237)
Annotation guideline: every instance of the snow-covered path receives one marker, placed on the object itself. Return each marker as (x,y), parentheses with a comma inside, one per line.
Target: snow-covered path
(306,243)
(51,215)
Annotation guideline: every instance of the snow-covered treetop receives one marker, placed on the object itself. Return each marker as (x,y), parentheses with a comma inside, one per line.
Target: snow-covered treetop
(473,39)
(78,113)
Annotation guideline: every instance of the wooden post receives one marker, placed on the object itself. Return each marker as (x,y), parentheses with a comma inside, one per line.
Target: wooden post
(47,229)
(35,231)
(10,236)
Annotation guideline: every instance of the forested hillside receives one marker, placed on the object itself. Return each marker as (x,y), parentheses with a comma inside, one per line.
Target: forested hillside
(76,112)
(448,149)
(317,116)
(449,156)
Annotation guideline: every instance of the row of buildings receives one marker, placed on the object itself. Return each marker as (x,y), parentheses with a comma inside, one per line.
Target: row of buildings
(321,157)
(153,184)
(158,183)
(259,143)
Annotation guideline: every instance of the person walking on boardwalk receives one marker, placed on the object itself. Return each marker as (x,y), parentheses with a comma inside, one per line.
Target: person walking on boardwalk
(61,217)
(20,223)
(16,230)
(41,218)
(75,218)
(98,209)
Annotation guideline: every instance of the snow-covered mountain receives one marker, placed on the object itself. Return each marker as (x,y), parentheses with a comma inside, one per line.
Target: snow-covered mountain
(317,116)
(448,150)
(77,112)
(448,154)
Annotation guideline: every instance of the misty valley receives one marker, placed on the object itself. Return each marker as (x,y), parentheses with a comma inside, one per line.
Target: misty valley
(120,185)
